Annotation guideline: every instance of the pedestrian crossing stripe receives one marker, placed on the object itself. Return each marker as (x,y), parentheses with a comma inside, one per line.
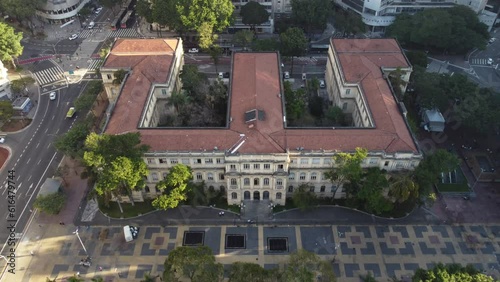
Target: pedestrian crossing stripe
(125,32)
(305,59)
(479,62)
(95,64)
(49,75)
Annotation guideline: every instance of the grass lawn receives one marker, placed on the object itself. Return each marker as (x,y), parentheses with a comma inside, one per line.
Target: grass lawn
(445,187)
(128,209)
(288,205)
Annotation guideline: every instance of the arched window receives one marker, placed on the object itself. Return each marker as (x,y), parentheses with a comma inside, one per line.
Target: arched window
(255,181)
(302,176)
(222,188)
(278,196)
(266,181)
(291,176)
(199,176)
(234,196)
(279,181)
(313,176)
(146,189)
(154,175)
(290,189)
(210,176)
(246,181)
(233,181)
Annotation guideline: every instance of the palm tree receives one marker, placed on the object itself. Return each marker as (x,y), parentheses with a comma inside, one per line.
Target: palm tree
(178,99)
(402,187)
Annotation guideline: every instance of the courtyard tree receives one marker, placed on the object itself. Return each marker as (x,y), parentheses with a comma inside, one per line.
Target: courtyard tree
(265,44)
(215,53)
(312,14)
(349,22)
(430,168)
(293,43)
(194,263)
(6,111)
(144,10)
(243,37)
(119,76)
(192,82)
(295,102)
(303,198)
(253,14)
(50,203)
(335,115)
(10,44)
(346,167)
(174,187)
(304,266)
(402,187)
(369,191)
(178,99)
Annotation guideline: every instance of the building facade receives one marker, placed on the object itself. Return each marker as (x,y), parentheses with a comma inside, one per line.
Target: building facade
(60,11)
(257,156)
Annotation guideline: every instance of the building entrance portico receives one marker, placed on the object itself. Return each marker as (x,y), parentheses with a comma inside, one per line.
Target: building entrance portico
(256,195)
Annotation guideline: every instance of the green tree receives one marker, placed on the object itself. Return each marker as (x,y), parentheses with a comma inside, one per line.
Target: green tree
(50,203)
(194,263)
(417,58)
(197,14)
(450,272)
(243,37)
(266,44)
(349,22)
(10,44)
(427,88)
(303,198)
(119,76)
(479,110)
(174,187)
(72,142)
(402,30)
(207,35)
(346,167)
(165,13)
(178,99)
(336,115)
(23,10)
(193,82)
(149,278)
(215,53)
(19,85)
(293,43)
(244,271)
(144,10)
(311,14)
(430,168)
(402,187)
(370,192)
(295,102)
(304,266)
(97,279)
(75,278)
(253,14)
(116,161)
(6,111)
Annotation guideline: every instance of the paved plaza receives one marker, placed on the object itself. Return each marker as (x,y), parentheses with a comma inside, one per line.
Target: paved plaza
(384,251)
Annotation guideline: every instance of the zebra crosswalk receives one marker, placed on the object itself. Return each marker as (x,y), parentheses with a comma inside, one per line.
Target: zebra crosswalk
(125,32)
(48,76)
(95,64)
(307,59)
(480,62)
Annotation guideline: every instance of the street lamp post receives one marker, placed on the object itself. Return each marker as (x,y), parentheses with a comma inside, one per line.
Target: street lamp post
(80,239)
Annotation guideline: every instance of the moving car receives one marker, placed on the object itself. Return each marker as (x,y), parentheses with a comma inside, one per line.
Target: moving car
(2,140)
(322,84)
(71,112)
(91,25)
(492,40)
(52,96)
(287,75)
(73,36)
(490,61)
(98,10)
(193,50)
(221,75)
(304,76)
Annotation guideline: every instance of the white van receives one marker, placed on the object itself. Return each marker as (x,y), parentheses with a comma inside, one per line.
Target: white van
(91,25)
(128,233)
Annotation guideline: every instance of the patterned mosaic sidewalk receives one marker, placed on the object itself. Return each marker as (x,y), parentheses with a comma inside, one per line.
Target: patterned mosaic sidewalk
(385,251)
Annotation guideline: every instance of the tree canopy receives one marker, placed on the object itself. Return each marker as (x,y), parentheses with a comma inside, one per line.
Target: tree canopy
(295,102)
(454,30)
(451,272)
(347,167)
(349,22)
(22,10)
(303,266)
(174,187)
(50,203)
(311,14)
(293,43)
(430,168)
(195,263)
(72,142)
(243,37)
(10,43)
(253,13)
(244,272)
(303,198)
(6,111)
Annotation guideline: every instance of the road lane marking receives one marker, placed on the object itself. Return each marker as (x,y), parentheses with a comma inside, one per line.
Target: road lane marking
(28,161)
(37,144)
(30,178)
(46,130)
(29,189)
(39,162)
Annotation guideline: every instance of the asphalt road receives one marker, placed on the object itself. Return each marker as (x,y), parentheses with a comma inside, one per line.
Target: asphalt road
(34,157)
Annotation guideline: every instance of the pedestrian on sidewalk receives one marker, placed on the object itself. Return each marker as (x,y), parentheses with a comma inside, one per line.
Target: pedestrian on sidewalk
(61,223)
(32,253)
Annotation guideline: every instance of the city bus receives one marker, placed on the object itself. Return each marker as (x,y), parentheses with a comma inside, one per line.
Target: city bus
(116,23)
(126,18)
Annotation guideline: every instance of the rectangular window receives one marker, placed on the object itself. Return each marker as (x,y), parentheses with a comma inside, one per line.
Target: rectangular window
(373,161)
(174,161)
(267,166)
(256,166)
(279,181)
(219,161)
(209,161)
(199,176)
(221,176)
(344,106)
(386,163)
(210,176)
(155,176)
(348,91)
(304,161)
(232,167)
(198,161)
(109,76)
(163,160)
(315,161)
(164,92)
(334,188)
(280,166)
(185,161)
(302,176)
(313,176)
(322,189)
(327,161)
(290,189)
(311,189)
(165,175)
(246,166)
(151,161)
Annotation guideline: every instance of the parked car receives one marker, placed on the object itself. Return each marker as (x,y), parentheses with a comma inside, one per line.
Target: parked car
(221,75)
(226,75)
(322,84)
(2,140)
(490,61)
(304,76)
(492,40)
(52,96)
(287,75)
(98,10)
(193,50)
(73,36)
(91,25)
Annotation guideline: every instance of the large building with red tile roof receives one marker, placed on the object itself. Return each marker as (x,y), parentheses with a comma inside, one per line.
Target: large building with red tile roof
(256,155)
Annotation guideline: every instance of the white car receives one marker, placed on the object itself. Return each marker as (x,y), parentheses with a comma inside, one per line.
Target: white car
(322,84)
(193,50)
(73,36)
(98,10)
(490,61)
(492,40)
(287,75)
(2,140)
(91,25)
(52,96)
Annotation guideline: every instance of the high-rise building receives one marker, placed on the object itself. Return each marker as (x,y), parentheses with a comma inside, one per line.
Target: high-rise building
(60,11)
